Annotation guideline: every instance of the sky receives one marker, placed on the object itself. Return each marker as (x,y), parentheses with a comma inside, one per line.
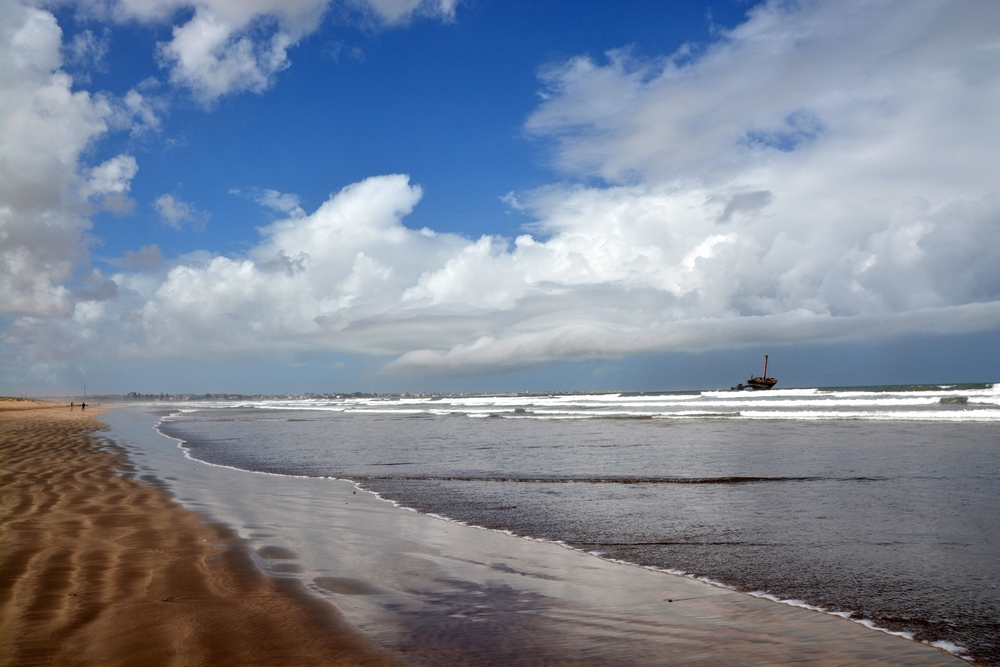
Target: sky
(285,196)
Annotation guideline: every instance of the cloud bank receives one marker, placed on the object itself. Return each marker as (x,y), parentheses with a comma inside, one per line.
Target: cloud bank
(46,191)
(822,172)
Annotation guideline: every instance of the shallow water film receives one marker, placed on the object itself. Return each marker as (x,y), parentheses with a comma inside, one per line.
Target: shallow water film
(878,503)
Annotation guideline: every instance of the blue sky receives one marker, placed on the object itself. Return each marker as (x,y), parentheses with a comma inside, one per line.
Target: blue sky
(386,195)
(443,101)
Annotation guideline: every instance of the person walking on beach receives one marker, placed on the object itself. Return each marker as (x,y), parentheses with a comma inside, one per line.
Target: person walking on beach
(71,406)
(83,406)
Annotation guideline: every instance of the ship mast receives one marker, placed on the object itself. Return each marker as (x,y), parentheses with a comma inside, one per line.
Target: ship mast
(765,367)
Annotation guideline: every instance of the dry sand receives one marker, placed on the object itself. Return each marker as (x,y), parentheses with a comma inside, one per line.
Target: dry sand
(99,569)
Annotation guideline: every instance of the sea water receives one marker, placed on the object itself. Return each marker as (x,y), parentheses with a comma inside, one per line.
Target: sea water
(879,504)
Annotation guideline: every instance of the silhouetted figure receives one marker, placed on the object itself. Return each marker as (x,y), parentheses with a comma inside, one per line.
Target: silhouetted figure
(71,406)
(83,406)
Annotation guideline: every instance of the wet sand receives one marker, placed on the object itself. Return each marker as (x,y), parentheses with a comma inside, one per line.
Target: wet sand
(97,568)
(439,594)
(100,569)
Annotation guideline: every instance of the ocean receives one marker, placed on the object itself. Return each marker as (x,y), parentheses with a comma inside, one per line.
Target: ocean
(878,504)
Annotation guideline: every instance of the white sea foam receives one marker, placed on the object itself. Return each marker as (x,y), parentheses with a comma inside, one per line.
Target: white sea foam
(949,404)
(778,397)
(933,416)
(954,649)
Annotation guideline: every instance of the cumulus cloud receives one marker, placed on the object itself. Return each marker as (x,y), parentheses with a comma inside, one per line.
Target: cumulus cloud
(46,187)
(229,46)
(44,127)
(210,56)
(113,177)
(824,172)
(308,281)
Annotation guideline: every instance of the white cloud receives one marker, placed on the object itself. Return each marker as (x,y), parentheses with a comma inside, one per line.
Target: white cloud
(309,278)
(44,126)
(176,213)
(853,80)
(228,46)
(141,109)
(209,56)
(826,172)
(400,11)
(113,177)
(86,49)
(285,203)
(46,190)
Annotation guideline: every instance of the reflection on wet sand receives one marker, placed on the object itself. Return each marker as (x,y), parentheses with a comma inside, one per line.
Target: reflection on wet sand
(439,593)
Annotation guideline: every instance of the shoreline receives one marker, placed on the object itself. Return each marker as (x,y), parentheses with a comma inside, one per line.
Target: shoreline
(569,590)
(943,646)
(541,602)
(949,648)
(97,568)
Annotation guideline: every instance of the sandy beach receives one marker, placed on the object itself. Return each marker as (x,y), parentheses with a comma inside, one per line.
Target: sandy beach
(100,569)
